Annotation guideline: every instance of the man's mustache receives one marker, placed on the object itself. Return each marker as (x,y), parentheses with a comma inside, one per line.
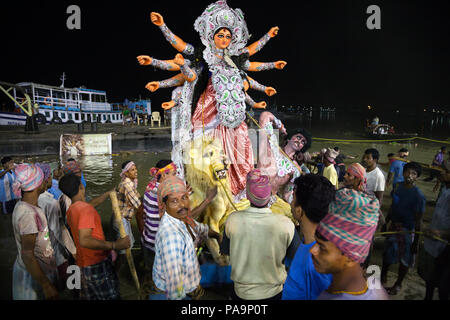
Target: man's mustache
(181,210)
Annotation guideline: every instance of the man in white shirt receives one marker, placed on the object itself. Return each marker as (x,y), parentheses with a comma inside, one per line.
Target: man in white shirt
(374,186)
(375,177)
(258,241)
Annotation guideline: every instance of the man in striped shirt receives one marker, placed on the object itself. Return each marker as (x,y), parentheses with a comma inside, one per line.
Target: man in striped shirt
(7,177)
(149,219)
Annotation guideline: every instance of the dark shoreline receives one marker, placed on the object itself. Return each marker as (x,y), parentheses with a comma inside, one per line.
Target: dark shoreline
(14,141)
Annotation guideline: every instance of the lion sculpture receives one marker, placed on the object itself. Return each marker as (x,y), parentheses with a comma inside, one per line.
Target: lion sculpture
(206,167)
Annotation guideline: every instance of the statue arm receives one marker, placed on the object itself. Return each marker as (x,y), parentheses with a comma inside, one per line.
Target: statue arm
(175,81)
(174,41)
(262,66)
(188,74)
(259,87)
(253,104)
(168,65)
(258,45)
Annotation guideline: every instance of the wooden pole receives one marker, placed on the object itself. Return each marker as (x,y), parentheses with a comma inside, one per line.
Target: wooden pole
(118,216)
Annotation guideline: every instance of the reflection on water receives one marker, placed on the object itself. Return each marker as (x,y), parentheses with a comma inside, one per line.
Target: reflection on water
(98,170)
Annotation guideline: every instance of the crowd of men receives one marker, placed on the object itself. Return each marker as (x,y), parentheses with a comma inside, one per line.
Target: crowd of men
(338,211)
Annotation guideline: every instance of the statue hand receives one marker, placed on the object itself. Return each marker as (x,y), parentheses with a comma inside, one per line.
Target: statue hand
(270,91)
(144,60)
(156,19)
(152,86)
(179,60)
(280,64)
(168,105)
(273,31)
(260,105)
(246,85)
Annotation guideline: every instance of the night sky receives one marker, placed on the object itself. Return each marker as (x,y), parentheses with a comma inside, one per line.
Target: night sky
(333,59)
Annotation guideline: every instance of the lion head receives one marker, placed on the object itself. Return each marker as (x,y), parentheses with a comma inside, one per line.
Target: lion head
(205,162)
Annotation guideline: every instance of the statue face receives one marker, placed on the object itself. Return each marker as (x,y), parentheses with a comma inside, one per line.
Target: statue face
(222,38)
(297,142)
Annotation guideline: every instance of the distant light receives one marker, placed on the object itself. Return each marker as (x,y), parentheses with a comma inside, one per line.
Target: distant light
(424,110)
(369,107)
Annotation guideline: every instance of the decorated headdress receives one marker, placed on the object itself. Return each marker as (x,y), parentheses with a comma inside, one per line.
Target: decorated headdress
(219,15)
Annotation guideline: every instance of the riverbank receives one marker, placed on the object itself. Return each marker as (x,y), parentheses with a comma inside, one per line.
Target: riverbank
(15,141)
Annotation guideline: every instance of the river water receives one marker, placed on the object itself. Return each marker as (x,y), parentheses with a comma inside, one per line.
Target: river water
(102,172)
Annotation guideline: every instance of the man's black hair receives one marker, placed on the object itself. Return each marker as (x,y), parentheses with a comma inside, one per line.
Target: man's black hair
(443,148)
(125,163)
(336,149)
(314,193)
(69,185)
(320,236)
(5,160)
(390,155)
(161,164)
(304,133)
(374,152)
(403,150)
(413,166)
(71,159)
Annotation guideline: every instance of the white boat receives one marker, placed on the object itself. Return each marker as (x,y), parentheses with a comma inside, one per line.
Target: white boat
(65,105)
(12,119)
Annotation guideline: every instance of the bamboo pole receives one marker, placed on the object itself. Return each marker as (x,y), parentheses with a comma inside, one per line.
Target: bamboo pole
(118,216)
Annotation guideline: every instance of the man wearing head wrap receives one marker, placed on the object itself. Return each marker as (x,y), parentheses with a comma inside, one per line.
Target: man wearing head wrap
(343,240)
(72,166)
(149,219)
(176,271)
(60,238)
(151,214)
(129,201)
(329,170)
(34,271)
(355,177)
(312,196)
(258,241)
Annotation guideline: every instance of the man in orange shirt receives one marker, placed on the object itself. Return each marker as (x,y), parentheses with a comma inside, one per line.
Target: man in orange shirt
(98,278)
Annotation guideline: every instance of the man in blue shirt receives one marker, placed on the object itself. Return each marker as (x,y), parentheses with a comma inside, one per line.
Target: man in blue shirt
(405,215)
(396,169)
(54,190)
(7,177)
(312,195)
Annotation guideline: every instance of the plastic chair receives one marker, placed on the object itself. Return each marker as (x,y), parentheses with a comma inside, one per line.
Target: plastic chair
(156,117)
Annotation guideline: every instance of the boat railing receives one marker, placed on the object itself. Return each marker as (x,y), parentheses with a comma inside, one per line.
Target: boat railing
(49,101)
(95,106)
